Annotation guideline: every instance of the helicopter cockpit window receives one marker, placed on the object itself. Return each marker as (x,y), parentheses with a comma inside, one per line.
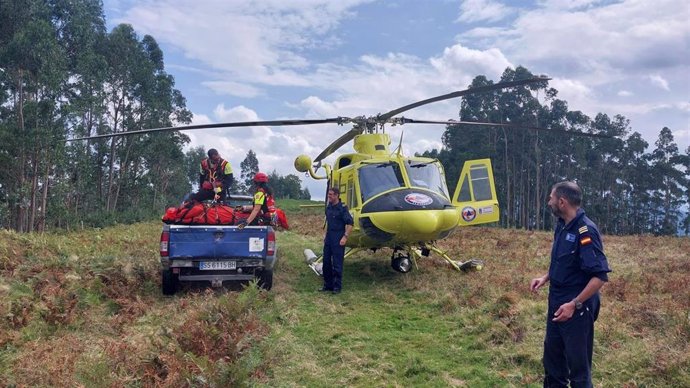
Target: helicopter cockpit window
(379,177)
(426,175)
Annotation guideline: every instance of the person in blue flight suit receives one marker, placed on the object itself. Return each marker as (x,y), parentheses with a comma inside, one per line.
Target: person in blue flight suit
(578,270)
(338,227)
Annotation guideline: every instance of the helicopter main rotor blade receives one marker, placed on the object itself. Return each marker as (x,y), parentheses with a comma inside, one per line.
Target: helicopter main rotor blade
(270,123)
(517,126)
(339,142)
(461,93)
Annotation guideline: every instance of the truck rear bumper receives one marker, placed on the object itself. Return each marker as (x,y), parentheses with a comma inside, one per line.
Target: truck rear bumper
(215,278)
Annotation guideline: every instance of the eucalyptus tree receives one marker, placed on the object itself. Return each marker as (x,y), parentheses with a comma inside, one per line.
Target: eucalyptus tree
(670,183)
(248,167)
(35,71)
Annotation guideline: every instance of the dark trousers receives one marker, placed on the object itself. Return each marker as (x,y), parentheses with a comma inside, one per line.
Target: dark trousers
(568,348)
(206,195)
(333,255)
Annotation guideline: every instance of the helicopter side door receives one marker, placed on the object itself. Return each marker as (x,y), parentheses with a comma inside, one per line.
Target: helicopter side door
(475,194)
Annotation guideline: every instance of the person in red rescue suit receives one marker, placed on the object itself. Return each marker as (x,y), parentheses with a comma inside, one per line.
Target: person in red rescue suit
(215,178)
(264,205)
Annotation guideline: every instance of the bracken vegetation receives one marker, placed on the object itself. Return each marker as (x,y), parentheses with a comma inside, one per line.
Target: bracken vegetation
(84,309)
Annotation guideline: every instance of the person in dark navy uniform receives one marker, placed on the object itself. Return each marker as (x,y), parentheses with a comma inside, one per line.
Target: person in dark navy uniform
(578,270)
(338,227)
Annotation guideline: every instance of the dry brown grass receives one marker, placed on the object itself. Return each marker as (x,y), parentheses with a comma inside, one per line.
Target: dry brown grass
(643,331)
(85,310)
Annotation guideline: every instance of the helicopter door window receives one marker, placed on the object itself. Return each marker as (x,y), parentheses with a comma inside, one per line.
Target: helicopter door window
(426,175)
(351,194)
(465,191)
(344,162)
(377,178)
(481,185)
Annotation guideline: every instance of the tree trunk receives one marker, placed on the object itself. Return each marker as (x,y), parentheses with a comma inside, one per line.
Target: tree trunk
(20,225)
(123,173)
(44,196)
(507,177)
(111,173)
(537,185)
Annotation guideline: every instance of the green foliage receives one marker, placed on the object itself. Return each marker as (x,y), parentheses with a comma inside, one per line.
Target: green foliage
(65,76)
(289,186)
(249,167)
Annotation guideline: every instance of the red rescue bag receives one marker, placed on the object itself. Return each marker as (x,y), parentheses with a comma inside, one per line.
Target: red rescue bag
(200,219)
(281,219)
(170,215)
(194,211)
(219,214)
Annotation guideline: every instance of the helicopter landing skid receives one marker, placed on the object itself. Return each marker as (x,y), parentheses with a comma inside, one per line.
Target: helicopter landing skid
(464,266)
(316,263)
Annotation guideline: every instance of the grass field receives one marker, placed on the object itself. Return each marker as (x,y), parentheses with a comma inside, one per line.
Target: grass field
(84,309)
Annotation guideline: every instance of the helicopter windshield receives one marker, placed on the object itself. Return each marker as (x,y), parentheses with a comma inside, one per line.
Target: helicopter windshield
(379,177)
(426,175)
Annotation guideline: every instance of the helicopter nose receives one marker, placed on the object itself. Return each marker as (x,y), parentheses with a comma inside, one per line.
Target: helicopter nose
(421,222)
(417,225)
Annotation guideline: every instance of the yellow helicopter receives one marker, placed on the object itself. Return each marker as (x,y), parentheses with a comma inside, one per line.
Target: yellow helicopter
(403,202)
(396,201)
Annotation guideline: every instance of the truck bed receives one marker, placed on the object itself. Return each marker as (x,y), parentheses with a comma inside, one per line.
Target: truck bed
(215,254)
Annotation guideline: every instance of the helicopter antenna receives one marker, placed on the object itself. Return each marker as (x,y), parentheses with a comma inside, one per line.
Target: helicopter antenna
(399,150)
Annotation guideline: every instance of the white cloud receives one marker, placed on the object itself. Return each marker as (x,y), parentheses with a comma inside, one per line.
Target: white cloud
(232,88)
(261,41)
(460,61)
(659,81)
(568,4)
(573,91)
(682,135)
(237,113)
(624,93)
(598,41)
(483,10)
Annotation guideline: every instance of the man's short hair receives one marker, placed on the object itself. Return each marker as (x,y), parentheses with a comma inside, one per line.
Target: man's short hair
(570,191)
(335,190)
(212,152)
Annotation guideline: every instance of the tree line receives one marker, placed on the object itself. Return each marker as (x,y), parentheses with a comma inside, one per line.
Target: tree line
(62,76)
(628,188)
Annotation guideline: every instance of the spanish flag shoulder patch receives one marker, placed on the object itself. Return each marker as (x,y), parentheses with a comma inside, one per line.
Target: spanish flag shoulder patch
(585,240)
(583,230)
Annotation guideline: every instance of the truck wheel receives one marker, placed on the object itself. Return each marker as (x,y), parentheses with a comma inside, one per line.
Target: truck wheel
(266,279)
(169,282)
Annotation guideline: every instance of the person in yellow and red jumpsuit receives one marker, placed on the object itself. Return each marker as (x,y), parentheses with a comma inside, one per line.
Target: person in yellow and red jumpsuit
(215,178)
(264,206)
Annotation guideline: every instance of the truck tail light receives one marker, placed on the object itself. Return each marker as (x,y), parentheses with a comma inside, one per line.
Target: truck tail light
(165,241)
(271,246)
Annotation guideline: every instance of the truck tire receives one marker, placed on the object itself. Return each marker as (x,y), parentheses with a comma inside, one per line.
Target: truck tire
(169,282)
(265,279)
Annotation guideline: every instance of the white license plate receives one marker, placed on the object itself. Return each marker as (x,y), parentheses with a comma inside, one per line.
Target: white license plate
(215,265)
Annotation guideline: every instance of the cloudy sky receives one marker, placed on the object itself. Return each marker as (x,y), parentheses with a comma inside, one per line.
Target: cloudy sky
(245,60)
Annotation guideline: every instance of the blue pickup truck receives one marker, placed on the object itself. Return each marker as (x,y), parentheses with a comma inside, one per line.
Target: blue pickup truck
(215,254)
